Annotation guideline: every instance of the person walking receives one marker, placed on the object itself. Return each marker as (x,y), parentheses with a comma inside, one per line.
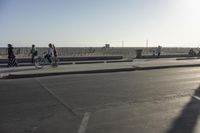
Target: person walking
(56,60)
(33,53)
(11,56)
(54,50)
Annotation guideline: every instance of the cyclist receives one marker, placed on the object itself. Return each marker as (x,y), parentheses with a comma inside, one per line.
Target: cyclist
(50,53)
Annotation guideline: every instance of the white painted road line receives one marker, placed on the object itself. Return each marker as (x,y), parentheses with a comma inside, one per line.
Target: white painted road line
(196,97)
(57,98)
(84,123)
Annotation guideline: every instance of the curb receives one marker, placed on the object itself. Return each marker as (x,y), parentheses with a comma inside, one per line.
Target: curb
(70,58)
(166,67)
(74,62)
(33,75)
(187,58)
(13,76)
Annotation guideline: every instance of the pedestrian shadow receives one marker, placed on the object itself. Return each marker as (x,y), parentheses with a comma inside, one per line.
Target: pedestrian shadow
(188,118)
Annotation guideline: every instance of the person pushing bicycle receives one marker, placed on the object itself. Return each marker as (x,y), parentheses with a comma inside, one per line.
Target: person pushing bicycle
(48,57)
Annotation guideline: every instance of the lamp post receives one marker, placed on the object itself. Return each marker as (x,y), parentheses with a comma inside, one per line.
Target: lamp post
(147,43)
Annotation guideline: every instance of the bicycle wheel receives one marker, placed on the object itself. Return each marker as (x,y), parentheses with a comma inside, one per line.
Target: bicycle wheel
(39,62)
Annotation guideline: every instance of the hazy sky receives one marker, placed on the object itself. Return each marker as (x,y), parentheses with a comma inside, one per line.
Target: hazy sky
(96,22)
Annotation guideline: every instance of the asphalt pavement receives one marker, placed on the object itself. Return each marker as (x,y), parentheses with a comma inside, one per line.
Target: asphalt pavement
(148,101)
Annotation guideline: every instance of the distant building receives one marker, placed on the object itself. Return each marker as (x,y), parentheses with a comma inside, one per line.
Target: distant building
(107,45)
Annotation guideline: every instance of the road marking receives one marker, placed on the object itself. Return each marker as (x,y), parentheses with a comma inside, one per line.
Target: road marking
(57,98)
(196,97)
(84,123)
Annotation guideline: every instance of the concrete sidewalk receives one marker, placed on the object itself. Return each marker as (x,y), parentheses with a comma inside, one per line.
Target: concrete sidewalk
(137,64)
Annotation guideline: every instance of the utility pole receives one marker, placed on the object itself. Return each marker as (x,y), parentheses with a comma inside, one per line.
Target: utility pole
(122,43)
(147,43)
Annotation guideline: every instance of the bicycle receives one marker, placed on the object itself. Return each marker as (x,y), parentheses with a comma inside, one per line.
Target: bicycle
(41,61)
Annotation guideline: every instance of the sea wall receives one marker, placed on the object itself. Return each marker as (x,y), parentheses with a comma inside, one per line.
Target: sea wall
(126,52)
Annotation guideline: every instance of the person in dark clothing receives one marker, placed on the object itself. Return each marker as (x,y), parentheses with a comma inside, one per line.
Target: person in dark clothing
(33,53)
(54,50)
(11,56)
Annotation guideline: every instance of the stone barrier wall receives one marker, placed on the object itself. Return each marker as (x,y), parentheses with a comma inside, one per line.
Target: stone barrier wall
(126,52)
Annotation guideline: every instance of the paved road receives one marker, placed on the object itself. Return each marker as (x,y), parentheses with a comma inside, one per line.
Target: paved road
(152,101)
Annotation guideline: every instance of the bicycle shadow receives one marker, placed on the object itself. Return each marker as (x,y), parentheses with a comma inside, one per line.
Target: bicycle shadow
(188,118)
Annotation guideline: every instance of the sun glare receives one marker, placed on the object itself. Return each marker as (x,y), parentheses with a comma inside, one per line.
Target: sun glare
(190,7)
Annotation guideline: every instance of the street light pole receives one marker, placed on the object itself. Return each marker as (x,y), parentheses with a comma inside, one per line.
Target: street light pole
(147,43)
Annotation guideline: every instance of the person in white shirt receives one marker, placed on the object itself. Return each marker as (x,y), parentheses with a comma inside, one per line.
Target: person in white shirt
(50,50)
(158,50)
(50,53)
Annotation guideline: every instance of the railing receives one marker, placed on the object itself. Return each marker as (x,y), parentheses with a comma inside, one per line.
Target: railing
(96,51)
